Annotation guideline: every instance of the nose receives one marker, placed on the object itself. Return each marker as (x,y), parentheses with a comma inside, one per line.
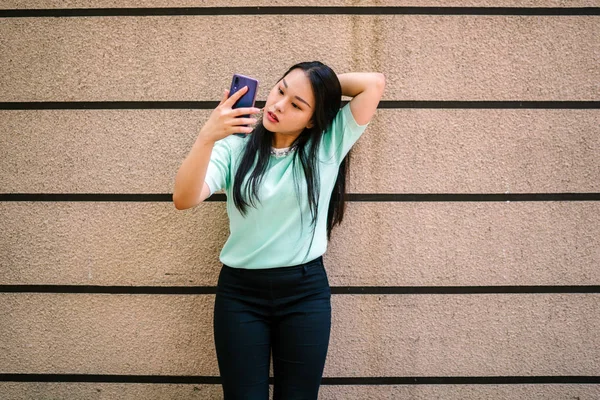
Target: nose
(279,107)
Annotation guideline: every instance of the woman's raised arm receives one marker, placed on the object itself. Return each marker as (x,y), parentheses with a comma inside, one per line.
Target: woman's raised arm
(366,89)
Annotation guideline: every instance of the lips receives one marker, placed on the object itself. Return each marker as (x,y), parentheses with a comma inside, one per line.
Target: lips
(272,117)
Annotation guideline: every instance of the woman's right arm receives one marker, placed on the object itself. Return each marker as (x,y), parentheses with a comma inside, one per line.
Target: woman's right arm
(190,188)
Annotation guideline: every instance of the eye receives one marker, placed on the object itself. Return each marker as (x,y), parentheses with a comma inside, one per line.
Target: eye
(296,106)
(280,91)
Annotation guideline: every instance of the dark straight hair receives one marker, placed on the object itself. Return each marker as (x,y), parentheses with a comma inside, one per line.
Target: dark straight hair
(328,99)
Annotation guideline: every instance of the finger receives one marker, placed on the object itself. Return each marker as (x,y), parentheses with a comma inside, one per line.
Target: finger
(236,96)
(244,121)
(245,110)
(242,129)
(225,95)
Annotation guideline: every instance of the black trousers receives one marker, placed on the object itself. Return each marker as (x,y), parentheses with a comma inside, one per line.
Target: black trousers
(285,310)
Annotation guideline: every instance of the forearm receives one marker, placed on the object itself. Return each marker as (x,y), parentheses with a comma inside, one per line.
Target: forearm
(189,180)
(354,83)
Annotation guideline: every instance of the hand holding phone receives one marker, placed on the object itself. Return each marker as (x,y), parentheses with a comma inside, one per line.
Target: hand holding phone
(247,100)
(227,120)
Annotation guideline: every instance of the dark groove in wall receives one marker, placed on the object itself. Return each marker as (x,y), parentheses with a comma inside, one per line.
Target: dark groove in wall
(395,380)
(352,197)
(305,10)
(209,105)
(354,290)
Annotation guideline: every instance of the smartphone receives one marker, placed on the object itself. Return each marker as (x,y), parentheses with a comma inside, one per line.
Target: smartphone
(248,99)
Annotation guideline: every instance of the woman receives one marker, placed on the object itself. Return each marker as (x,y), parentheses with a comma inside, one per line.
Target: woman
(273,292)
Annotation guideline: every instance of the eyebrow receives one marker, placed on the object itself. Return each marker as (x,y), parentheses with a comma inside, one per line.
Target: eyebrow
(299,98)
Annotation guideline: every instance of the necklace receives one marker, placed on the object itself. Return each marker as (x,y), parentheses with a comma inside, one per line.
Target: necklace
(282,152)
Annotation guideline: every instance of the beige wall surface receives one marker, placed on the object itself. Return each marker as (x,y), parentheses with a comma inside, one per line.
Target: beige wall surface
(435,151)
(372,335)
(378,244)
(33,4)
(101,391)
(424,57)
(386,244)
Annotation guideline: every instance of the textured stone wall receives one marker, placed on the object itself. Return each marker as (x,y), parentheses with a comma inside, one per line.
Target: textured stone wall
(467,265)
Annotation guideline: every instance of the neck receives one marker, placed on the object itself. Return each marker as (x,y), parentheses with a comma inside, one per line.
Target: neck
(281,141)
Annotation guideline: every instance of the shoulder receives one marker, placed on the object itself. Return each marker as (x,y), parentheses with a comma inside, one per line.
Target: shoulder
(231,144)
(232,141)
(341,135)
(344,120)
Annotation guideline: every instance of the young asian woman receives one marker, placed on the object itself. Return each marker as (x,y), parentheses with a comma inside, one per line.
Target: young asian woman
(285,184)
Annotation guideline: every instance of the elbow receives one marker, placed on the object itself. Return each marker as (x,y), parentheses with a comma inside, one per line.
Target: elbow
(184,204)
(179,205)
(176,203)
(379,81)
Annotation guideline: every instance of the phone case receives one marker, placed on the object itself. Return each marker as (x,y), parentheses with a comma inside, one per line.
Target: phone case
(247,100)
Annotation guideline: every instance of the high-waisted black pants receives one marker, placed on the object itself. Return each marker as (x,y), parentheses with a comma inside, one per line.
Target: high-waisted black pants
(285,310)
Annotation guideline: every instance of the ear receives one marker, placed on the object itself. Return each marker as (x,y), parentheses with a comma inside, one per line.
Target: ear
(310,124)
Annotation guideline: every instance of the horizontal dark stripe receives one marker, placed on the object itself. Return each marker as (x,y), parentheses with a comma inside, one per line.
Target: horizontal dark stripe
(209,105)
(463,289)
(393,380)
(352,197)
(463,380)
(97,197)
(469,197)
(306,10)
(365,290)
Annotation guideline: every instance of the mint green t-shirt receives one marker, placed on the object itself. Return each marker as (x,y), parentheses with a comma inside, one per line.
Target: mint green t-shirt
(272,234)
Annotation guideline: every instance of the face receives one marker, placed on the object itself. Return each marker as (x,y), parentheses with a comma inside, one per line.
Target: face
(290,105)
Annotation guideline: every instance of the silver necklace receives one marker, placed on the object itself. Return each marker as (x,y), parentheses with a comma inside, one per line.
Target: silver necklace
(282,152)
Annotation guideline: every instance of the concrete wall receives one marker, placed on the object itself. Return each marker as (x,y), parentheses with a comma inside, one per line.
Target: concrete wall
(408,339)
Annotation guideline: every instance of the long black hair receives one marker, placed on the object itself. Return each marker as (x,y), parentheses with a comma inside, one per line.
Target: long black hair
(328,96)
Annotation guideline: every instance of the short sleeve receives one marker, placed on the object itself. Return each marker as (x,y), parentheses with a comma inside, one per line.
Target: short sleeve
(219,166)
(342,134)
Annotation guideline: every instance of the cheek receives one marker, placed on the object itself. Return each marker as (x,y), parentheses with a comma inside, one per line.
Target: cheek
(268,100)
(302,119)
(272,97)
(308,117)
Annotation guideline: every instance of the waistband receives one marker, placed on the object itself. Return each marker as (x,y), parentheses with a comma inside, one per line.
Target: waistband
(279,270)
